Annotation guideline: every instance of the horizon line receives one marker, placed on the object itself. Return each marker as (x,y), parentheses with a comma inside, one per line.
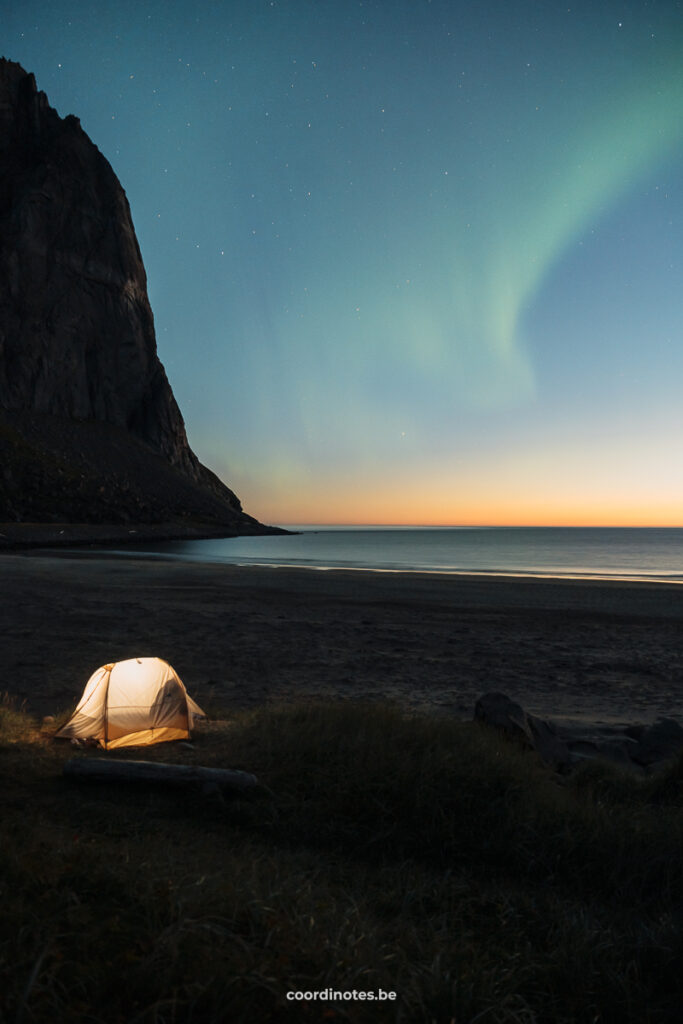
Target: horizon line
(486,526)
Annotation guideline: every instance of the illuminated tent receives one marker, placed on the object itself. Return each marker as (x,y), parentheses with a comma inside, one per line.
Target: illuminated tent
(131,704)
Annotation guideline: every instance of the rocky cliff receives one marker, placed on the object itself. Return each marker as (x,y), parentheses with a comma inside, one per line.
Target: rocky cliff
(89,428)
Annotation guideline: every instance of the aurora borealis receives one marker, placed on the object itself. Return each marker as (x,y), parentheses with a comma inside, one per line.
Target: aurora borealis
(410,262)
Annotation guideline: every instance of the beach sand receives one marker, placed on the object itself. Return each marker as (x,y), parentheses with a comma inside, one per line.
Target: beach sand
(580,652)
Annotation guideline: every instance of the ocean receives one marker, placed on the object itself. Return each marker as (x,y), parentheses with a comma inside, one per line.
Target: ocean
(612,553)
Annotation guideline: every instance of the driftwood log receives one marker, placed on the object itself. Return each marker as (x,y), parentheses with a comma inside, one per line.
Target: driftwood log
(101,769)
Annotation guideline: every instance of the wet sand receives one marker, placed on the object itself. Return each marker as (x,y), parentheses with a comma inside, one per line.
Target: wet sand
(572,650)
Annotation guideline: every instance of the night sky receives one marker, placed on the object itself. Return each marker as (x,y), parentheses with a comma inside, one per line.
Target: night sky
(410,262)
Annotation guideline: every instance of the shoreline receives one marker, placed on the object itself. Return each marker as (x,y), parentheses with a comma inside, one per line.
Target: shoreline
(628,593)
(582,651)
(21,536)
(89,548)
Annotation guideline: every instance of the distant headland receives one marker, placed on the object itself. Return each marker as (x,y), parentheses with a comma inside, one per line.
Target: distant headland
(92,442)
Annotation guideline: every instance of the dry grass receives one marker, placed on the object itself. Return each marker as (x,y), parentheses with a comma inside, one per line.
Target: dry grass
(407,854)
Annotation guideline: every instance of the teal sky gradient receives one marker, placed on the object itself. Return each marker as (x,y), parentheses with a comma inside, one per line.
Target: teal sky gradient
(409,261)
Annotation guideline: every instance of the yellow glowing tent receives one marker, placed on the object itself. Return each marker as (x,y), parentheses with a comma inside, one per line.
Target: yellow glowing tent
(131,704)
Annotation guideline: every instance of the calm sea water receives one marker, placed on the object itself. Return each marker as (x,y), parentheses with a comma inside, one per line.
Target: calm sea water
(603,553)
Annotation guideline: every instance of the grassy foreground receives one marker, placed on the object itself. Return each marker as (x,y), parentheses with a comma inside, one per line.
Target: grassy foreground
(412,855)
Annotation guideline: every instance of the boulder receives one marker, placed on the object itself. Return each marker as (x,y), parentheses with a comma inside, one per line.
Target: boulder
(659,742)
(498,711)
(617,749)
(637,747)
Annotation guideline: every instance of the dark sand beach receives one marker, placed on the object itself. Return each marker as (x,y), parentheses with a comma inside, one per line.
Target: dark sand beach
(588,652)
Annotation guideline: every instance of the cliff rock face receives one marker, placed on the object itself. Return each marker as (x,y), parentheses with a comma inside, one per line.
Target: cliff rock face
(84,399)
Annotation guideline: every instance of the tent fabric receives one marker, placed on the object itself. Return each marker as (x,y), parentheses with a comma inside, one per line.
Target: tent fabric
(133,703)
